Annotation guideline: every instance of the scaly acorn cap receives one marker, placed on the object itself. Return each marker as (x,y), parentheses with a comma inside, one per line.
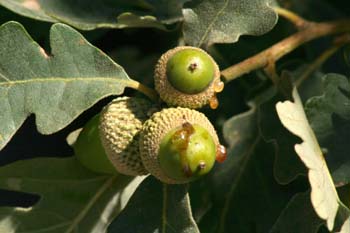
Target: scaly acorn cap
(190,68)
(120,124)
(156,129)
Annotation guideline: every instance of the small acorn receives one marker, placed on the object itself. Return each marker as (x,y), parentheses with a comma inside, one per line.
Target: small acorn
(179,145)
(188,77)
(89,151)
(120,124)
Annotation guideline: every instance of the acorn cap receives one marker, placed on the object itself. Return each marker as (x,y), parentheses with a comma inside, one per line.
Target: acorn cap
(120,124)
(155,129)
(175,97)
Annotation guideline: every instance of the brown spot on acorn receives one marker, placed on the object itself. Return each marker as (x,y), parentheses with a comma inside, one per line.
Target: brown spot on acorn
(178,145)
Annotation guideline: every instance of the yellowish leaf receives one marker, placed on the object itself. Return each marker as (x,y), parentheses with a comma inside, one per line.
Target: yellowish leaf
(324,197)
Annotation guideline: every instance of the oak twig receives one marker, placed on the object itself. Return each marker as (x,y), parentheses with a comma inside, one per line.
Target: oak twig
(338,43)
(310,31)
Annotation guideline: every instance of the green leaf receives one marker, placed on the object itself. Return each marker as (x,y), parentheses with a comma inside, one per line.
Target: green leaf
(89,14)
(338,150)
(324,197)
(168,11)
(329,116)
(287,165)
(131,20)
(224,21)
(156,207)
(72,199)
(298,216)
(243,188)
(29,8)
(56,88)
(334,101)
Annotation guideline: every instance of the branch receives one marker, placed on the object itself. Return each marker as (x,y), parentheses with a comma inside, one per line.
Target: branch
(338,43)
(311,31)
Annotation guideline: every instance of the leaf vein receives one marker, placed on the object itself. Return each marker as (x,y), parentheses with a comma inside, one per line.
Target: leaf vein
(234,184)
(59,180)
(88,206)
(4,78)
(50,228)
(60,79)
(211,25)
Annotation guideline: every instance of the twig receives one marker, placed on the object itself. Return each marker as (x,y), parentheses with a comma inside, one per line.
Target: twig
(270,69)
(312,31)
(339,42)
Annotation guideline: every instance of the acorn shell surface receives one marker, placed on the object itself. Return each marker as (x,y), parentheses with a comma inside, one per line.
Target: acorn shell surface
(89,151)
(158,126)
(174,97)
(120,125)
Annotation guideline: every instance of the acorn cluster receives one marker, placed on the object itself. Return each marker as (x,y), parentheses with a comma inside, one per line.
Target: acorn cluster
(175,144)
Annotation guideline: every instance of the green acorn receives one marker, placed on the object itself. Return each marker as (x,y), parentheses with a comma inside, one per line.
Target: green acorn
(89,151)
(120,124)
(179,145)
(187,77)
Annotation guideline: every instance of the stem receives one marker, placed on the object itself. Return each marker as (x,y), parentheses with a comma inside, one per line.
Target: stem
(274,53)
(295,19)
(340,42)
(149,92)
(270,69)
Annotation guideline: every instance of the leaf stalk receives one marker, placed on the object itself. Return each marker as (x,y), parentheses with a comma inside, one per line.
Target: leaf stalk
(149,92)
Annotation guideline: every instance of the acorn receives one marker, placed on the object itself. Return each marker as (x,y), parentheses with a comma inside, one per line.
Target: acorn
(179,145)
(89,150)
(188,77)
(120,124)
